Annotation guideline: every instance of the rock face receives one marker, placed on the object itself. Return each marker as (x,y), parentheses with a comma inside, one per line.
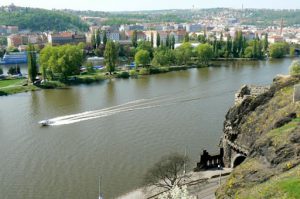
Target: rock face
(263,130)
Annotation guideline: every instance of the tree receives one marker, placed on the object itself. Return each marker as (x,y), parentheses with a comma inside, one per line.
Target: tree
(145,45)
(1,71)
(184,53)
(104,38)
(248,52)
(167,173)
(163,57)
(173,41)
(295,68)
(157,40)
(168,41)
(134,39)
(98,38)
(93,40)
(32,66)
(265,43)
(61,61)
(110,56)
(152,39)
(186,38)
(292,51)
(204,53)
(277,50)
(142,57)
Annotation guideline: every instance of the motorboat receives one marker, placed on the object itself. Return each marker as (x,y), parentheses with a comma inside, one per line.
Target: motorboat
(45,122)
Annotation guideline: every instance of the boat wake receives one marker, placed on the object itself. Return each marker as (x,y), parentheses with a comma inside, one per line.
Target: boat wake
(127,107)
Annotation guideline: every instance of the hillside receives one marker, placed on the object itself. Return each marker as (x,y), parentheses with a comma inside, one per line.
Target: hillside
(269,127)
(36,19)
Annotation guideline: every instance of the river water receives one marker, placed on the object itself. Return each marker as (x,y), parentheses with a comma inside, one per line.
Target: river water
(116,129)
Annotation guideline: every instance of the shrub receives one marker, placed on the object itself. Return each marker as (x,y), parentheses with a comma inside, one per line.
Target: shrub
(133,73)
(123,74)
(144,71)
(295,68)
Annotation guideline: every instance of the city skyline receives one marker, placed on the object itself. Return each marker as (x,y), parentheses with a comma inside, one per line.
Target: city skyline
(138,5)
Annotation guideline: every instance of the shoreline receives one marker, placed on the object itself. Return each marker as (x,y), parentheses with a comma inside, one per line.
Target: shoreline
(122,74)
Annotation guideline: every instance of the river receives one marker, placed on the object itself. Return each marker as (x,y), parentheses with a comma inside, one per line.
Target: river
(147,118)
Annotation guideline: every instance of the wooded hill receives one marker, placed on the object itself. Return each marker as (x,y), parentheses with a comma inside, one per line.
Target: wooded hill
(36,19)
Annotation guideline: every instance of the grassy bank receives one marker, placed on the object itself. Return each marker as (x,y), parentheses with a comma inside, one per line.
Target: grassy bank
(13,86)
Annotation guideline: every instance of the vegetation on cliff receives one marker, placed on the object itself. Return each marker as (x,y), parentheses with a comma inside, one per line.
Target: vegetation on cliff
(269,125)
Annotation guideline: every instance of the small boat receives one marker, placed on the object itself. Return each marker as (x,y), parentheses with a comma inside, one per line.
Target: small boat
(45,122)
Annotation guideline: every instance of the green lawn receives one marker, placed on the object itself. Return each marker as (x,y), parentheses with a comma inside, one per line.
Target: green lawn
(11,82)
(291,187)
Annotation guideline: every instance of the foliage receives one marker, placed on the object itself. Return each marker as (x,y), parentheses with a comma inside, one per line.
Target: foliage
(133,73)
(144,71)
(3,41)
(123,74)
(60,61)
(167,173)
(295,68)
(184,53)
(14,70)
(145,45)
(134,39)
(41,19)
(110,56)
(90,68)
(1,71)
(163,57)
(278,50)
(32,65)
(142,57)
(204,53)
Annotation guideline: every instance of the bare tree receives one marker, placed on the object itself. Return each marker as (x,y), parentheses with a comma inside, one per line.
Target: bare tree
(168,172)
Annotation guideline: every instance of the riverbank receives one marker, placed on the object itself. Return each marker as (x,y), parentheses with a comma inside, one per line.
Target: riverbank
(196,182)
(14,86)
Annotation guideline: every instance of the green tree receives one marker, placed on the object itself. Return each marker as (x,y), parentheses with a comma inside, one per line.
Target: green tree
(265,43)
(186,38)
(295,68)
(163,57)
(145,45)
(157,40)
(142,57)
(168,41)
(173,41)
(248,52)
(32,65)
(152,39)
(98,38)
(277,50)
(104,38)
(184,53)
(110,56)
(134,39)
(292,51)
(93,40)
(204,53)
(1,71)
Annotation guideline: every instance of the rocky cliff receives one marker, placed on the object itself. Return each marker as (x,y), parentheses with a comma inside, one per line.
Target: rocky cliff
(262,141)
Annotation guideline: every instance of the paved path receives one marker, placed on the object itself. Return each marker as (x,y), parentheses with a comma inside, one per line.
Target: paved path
(201,191)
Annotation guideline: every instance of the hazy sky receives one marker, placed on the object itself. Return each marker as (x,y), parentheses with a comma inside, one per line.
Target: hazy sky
(121,5)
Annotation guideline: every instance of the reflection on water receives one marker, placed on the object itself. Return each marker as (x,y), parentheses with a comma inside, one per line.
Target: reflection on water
(148,117)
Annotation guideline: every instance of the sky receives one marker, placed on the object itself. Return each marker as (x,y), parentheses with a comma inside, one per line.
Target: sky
(134,5)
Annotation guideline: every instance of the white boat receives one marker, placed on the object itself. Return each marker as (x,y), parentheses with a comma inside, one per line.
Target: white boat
(45,122)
